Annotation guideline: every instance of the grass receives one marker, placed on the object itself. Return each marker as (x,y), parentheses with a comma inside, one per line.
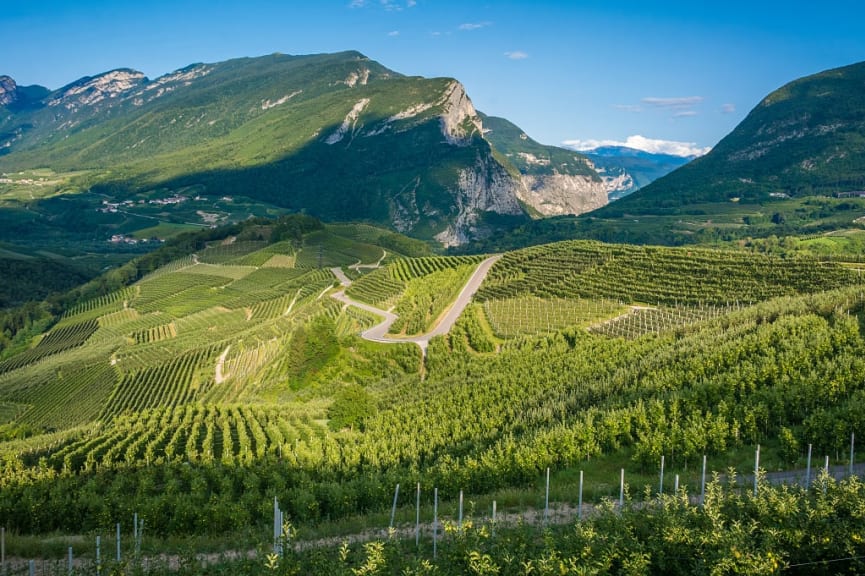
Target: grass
(164,230)
(29,185)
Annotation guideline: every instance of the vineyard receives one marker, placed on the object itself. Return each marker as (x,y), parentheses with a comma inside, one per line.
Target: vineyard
(511,317)
(222,380)
(656,275)
(383,287)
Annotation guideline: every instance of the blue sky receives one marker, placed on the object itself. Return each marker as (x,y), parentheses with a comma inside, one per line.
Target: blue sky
(649,73)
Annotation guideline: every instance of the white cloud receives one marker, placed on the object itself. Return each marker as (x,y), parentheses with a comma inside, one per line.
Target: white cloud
(469,26)
(680,106)
(628,107)
(517,55)
(393,33)
(388,5)
(682,102)
(728,108)
(638,142)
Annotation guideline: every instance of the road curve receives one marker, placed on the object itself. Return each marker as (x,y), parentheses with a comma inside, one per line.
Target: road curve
(378,333)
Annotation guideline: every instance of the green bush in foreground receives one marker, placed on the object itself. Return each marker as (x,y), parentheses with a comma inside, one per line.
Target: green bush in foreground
(782,530)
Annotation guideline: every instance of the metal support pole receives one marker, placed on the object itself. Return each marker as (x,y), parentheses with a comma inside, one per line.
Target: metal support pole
(622,489)
(393,508)
(98,554)
(676,485)
(703,483)
(435,521)
(826,469)
(417,519)
(547,499)
(808,470)
(580,501)
(756,468)
(117,538)
(69,563)
(460,523)
(852,440)
(661,483)
(494,518)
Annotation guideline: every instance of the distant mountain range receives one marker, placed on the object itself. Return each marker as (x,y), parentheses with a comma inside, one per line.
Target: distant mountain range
(120,158)
(625,170)
(336,135)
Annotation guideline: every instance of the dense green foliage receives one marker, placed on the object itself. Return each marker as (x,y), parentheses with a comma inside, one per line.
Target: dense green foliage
(35,279)
(338,136)
(228,377)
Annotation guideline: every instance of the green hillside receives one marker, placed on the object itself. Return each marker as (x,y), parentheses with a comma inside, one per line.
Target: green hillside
(793,166)
(203,388)
(529,156)
(338,136)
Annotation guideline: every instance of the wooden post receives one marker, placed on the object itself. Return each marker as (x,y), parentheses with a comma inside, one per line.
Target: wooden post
(393,508)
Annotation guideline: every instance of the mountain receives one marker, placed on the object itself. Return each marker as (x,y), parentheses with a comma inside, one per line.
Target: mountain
(556,181)
(803,140)
(625,170)
(338,136)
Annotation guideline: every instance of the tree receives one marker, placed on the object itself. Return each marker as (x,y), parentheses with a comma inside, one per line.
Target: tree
(351,406)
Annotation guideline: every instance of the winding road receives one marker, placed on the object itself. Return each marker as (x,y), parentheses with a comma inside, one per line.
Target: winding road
(378,333)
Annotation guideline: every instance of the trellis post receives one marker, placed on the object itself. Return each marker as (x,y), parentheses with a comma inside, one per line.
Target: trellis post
(393,508)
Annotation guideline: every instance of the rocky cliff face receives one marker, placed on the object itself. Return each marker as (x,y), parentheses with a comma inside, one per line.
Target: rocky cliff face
(561,194)
(93,90)
(459,119)
(8,90)
(484,187)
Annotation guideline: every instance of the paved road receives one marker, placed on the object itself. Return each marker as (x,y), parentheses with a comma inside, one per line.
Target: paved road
(378,333)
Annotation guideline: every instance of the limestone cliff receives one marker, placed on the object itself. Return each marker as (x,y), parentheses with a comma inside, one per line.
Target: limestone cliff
(484,187)
(560,194)
(8,90)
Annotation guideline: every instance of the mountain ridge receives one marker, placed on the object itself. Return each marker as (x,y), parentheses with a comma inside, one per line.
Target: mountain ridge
(412,150)
(807,136)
